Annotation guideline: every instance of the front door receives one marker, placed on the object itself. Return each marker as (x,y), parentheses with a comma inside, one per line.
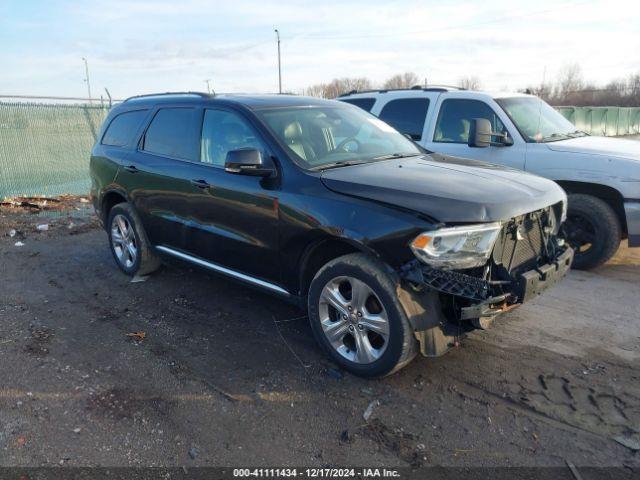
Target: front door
(233,219)
(450,133)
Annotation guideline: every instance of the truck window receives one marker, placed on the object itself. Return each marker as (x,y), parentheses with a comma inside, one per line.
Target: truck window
(122,128)
(407,115)
(171,134)
(364,103)
(455,118)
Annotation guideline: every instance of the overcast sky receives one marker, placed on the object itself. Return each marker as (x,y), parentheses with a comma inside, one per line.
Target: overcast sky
(143,46)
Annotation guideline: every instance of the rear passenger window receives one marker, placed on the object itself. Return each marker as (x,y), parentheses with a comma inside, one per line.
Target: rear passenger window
(172,133)
(363,103)
(407,115)
(455,119)
(122,128)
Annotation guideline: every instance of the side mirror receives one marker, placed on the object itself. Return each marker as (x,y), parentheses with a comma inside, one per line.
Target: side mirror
(247,161)
(480,135)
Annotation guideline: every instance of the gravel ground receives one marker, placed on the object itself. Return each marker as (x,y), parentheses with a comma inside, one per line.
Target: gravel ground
(220,374)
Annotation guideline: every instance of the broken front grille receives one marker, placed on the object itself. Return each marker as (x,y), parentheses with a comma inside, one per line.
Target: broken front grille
(521,241)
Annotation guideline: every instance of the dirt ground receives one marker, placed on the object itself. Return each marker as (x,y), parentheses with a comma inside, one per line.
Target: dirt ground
(220,374)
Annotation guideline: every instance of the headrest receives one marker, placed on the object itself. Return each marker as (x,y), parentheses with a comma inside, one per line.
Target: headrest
(293,131)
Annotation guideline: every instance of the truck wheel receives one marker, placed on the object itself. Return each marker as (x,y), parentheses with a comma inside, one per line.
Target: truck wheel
(357,318)
(592,229)
(128,242)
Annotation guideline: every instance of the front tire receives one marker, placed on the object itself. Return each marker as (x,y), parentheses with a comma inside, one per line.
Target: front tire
(357,319)
(592,229)
(128,242)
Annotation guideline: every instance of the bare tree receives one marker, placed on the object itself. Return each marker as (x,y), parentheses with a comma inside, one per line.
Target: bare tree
(470,82)
(338,86)
(317,90)
(402,80)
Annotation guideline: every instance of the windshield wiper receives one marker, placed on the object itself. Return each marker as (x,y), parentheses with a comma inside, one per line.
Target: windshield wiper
(396,155)
(577,133)
(554,137)
(343,163)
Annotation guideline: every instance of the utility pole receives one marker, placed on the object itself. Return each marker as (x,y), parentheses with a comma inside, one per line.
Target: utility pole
(86,79)
(279,67)
(208,88)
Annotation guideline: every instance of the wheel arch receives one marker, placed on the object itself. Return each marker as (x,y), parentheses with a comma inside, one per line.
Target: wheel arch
(109,200)
(605,193)
(322,251)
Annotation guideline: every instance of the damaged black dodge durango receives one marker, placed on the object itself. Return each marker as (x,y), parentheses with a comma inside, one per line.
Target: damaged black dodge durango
(392,250)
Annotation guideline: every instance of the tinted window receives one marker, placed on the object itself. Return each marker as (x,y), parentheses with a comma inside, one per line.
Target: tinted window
(225,131)
(172,134)
(407,115)
(455,119)
(363,103)
(123,127)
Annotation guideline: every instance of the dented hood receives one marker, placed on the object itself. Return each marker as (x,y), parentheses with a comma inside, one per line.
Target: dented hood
(447,189)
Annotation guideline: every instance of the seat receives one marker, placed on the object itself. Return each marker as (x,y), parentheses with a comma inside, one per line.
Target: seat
(296,142)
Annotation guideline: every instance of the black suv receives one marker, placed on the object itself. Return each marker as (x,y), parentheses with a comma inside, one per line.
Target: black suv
(392,249)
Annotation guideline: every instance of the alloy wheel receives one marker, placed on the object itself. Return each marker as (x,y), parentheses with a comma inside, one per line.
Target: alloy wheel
(354,320)
(124,241)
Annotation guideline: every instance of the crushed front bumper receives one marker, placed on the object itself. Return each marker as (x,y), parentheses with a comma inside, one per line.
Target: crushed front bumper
(483,298)
(526,286)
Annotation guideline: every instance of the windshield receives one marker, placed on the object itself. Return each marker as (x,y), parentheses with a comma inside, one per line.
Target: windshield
(537,121)
(323,137)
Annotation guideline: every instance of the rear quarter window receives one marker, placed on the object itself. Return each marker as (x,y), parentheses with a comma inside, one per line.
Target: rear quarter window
(407,115)
(364,103)
(122,128)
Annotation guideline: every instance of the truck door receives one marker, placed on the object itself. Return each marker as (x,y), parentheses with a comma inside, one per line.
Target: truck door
(449,132)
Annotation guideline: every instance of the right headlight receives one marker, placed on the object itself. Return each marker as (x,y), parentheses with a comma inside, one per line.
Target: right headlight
(457,247)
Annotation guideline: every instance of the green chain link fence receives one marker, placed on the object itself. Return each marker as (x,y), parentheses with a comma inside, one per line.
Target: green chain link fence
(45,148)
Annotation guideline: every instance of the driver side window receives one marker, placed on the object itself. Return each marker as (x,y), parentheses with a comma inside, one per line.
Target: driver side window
(223,131)
(455,118)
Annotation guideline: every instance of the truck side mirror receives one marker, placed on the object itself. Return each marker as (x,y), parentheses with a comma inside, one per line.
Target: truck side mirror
(480,135)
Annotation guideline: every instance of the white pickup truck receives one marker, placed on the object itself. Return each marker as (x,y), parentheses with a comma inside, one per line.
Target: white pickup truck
(600,175)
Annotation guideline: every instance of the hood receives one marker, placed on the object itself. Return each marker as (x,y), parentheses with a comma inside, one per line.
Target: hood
(447,189)
(607,146)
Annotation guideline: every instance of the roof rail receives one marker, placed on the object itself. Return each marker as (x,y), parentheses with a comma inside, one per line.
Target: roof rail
(428,88)
(199,94)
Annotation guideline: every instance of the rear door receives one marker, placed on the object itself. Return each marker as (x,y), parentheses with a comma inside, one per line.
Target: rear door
(158,174)
(448,132)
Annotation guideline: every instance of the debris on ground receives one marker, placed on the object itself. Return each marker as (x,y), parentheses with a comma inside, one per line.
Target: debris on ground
(37,202)
(193,453)
(139,278)
(19,244)
(12,232)
(369,411)
(334,373)
(138,336)
(628,441)
(43,227)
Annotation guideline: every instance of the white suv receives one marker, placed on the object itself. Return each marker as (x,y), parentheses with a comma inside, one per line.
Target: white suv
(601,175)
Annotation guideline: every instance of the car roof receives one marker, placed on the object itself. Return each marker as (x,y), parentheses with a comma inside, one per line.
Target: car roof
(424,92)
(253,102)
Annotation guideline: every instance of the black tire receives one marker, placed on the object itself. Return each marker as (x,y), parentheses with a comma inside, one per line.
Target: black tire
(146,261)
(592,229)
(401,345)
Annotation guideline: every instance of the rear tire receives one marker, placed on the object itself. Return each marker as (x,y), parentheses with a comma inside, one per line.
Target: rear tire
(592,229)
(357,319)
(128,242)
